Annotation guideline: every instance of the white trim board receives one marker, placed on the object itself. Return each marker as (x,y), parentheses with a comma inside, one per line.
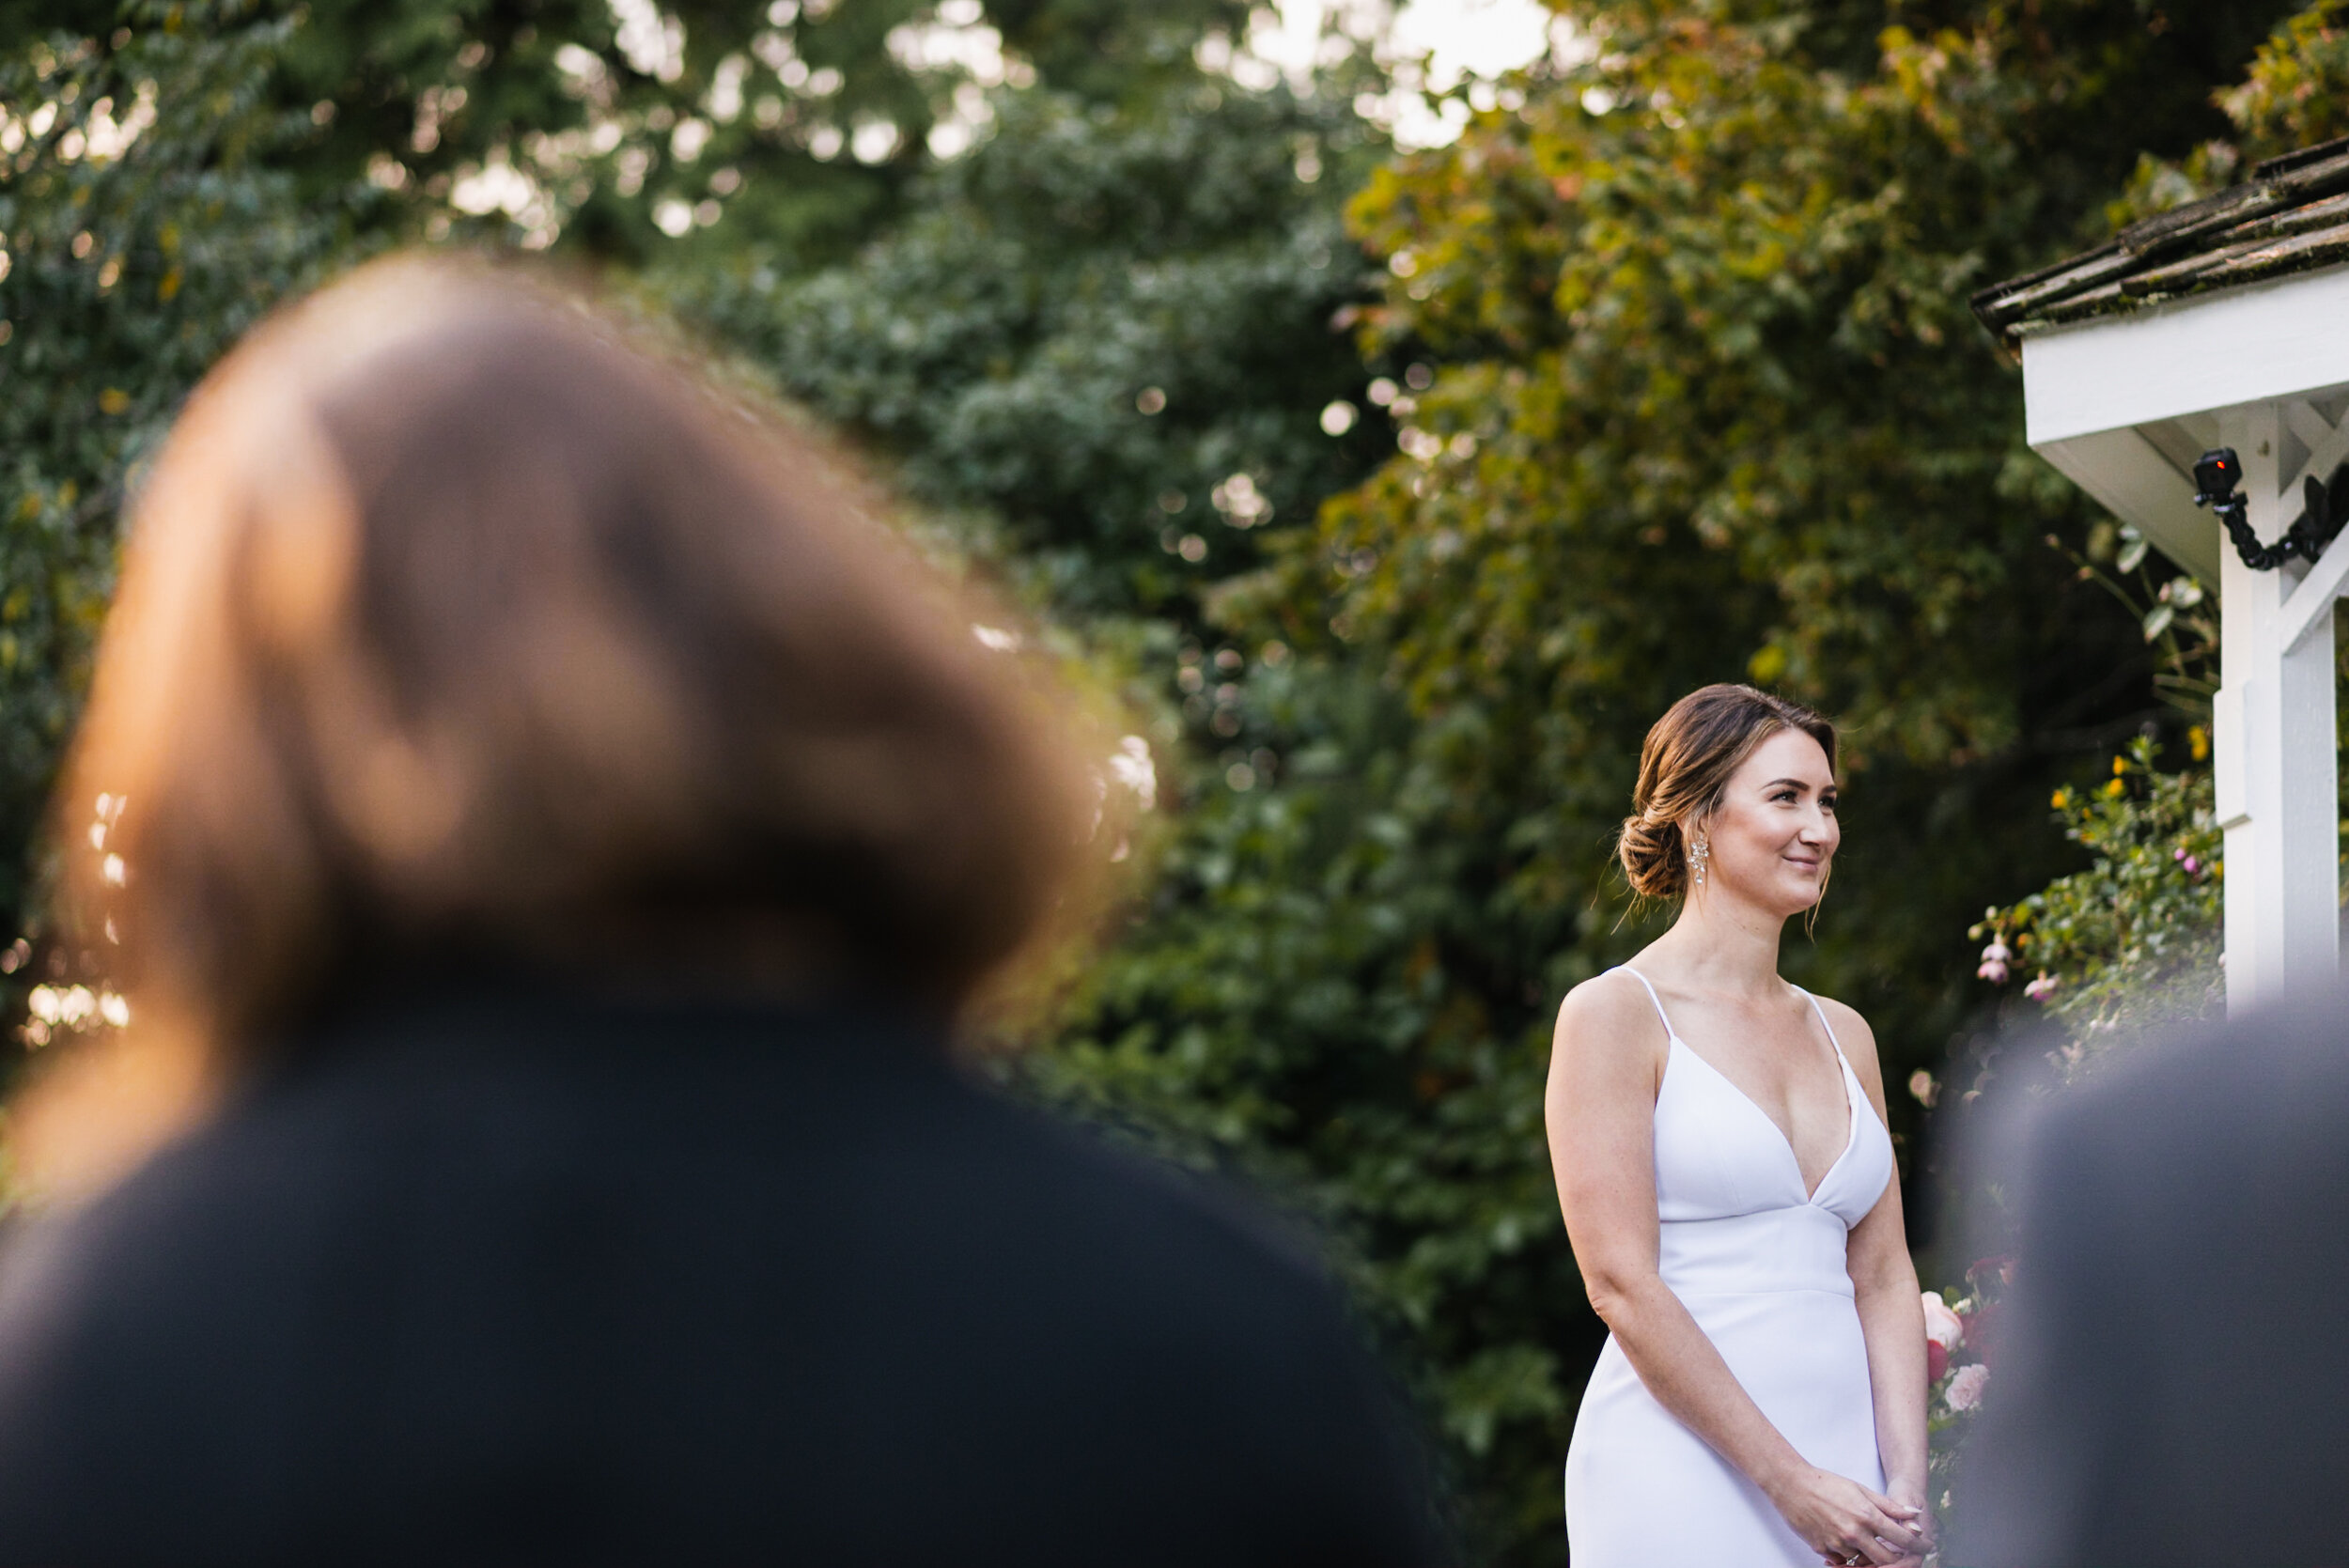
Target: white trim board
(2287,337)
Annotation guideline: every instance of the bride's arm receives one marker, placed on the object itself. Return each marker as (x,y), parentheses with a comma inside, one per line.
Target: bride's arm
(1606,1065)
(1884,1285)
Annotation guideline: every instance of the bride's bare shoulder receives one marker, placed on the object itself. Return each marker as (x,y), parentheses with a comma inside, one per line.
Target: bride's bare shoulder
(1607,1012)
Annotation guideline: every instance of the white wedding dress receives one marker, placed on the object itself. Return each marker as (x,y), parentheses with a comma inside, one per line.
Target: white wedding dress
(1759,1265)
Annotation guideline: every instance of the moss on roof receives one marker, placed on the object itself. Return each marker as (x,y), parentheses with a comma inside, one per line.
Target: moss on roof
(2291,216)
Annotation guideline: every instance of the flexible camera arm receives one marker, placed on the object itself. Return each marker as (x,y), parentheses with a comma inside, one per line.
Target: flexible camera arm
(2216,474)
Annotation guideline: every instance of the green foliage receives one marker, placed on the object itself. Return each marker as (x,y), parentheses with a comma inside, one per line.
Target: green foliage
(2296,93)
(2177,616)
(168,172)
(2134,938)
(1109,326)
(1287,1005)
(708,108)
(148,222)
(1112,51)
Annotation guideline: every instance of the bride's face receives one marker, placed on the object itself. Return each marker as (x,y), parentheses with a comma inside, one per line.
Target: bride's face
(1775,830)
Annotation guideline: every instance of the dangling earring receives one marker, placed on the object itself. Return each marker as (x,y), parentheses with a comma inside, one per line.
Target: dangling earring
(1698,855)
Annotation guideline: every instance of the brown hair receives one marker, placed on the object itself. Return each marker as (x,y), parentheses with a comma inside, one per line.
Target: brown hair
(1685,768)
(454,630)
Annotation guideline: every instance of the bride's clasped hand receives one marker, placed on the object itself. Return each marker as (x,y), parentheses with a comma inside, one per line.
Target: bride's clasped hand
(1829,1510)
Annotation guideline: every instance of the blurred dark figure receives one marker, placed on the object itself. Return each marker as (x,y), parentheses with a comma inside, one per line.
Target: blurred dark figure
(557,835)
(2173,1386)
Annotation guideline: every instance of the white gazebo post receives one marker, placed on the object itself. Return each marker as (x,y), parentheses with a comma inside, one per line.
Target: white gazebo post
(2226,325)
(2272,748)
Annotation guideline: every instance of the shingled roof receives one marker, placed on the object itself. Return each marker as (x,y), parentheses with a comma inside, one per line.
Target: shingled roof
(2291,216)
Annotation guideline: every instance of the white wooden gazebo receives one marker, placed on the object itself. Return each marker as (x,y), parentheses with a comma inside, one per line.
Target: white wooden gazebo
(2225,325)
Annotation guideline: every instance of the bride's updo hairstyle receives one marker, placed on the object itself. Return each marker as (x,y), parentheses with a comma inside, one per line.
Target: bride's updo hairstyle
(1685,768)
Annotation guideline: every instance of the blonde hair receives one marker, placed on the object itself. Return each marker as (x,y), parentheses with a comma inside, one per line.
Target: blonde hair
(453,628)
(1685,767)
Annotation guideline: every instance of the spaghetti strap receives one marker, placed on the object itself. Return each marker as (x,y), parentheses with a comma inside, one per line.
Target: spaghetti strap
(1670,1032)
(1824,1024)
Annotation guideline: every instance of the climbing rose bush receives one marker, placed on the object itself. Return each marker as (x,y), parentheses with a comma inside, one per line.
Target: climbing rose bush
(1944,1332)
(2134,938)
(1961,1348)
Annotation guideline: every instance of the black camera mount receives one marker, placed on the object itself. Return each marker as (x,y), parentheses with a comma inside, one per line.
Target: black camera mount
(2216,475)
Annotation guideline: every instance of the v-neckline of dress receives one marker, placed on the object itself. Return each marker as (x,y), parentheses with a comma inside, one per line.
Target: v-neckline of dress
(1851,1114)
(1785,1141)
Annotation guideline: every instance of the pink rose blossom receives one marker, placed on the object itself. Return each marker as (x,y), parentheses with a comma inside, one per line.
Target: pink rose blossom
(1943,1327)
(1965,1390)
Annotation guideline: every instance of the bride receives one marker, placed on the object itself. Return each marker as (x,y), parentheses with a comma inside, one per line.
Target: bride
(1721,1156)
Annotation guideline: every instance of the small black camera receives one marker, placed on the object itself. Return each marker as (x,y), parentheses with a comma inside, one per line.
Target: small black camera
(2217,473)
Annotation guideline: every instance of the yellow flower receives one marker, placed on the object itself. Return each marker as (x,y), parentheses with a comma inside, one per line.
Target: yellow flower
(2060,800)
(113,400)
(169,286)
(2114,788)
(2120,766)
(2198,742)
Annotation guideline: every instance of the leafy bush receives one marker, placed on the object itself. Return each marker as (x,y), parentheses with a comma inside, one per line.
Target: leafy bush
(147,218)
(2134,938)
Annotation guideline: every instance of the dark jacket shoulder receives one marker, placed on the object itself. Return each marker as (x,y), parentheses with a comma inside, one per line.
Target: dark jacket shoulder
(631,1281)
(2171,1379)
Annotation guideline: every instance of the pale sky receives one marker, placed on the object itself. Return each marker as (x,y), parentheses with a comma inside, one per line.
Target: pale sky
(1460,38)
(1478,38)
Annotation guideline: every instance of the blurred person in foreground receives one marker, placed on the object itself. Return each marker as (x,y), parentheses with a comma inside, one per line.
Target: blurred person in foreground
(2171,1391)
(559,836)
